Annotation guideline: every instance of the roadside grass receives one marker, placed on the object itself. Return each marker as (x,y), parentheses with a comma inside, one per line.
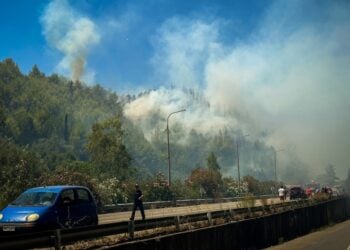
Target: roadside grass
(248,201)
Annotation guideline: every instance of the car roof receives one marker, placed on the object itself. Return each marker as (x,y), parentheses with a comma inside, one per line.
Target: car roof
(54,189)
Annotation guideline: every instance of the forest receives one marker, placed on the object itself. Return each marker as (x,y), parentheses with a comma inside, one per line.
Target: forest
(56,131)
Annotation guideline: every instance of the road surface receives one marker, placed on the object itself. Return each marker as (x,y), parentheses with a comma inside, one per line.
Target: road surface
(336,237)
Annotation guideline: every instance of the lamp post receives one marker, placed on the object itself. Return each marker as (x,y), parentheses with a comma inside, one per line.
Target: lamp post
(167,130)
(275,158)
(237,152)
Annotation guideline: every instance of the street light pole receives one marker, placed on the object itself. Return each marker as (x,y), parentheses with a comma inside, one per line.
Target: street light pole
(167,129)
(239,173)
(275,154)
(275,158)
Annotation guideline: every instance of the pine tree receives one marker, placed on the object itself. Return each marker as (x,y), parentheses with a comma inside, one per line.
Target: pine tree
(212,163)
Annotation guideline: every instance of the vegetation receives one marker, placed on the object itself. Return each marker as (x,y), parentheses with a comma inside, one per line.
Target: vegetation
(55,131)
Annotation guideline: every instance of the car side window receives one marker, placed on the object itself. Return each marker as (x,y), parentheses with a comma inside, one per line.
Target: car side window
(83,196)
(67,196)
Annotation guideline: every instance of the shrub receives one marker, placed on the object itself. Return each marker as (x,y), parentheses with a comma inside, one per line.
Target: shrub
(248,200)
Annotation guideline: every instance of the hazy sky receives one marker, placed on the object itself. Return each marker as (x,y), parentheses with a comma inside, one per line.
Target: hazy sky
(276,66)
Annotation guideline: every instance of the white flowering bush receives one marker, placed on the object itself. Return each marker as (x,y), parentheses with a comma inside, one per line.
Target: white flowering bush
(112,191)
(232,189)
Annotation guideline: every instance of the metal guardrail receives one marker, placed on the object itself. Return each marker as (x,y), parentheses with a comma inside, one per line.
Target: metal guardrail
(61,237)
(178,203)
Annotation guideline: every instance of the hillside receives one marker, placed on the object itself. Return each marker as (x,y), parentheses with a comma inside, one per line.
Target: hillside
(50,124)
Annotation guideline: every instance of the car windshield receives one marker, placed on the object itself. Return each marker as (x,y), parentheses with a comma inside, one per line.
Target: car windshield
(35,199)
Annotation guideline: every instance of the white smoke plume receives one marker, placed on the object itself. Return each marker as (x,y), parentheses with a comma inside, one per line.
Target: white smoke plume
(290,78)
(72,34)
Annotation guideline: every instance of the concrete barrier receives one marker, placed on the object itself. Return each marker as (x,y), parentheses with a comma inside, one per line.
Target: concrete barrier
(254,233)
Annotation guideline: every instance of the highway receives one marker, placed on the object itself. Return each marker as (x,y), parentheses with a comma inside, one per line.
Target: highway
(173,211)
(333,237)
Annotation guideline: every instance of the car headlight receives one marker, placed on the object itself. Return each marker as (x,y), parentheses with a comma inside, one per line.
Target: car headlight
(1,216)
(32,217)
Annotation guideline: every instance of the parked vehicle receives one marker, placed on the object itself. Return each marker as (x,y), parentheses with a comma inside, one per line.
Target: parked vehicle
(50,207)
(297,192)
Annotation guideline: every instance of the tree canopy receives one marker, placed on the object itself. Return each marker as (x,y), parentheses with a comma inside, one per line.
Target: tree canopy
(53,129)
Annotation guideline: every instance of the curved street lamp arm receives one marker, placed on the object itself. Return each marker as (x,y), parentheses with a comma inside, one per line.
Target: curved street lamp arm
(182,110)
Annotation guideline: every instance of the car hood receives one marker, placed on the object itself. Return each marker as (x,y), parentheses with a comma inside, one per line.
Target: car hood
(19,213)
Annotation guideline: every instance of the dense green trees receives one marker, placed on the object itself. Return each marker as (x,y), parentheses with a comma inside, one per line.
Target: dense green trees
(44,127)
(107,151)
(212,162)
(19,169)
(56,131)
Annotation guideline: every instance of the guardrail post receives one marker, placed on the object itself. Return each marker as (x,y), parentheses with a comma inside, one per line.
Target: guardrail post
(250,214)
(177,223)
(131,229)
(232,214)
(58,242)
(210,219)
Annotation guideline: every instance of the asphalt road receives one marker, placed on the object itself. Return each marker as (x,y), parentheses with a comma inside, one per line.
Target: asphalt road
(173,211)
(336,237)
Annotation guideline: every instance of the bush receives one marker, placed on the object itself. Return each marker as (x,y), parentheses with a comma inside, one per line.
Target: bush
(112,191)
(207,179)
(157,189)
(248,200)
(67,177)
(320,196)
(232,189)
(20,169)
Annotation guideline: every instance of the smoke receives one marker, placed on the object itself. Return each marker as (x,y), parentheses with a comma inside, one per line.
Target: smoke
(290,78)
(162,102)
(72,34)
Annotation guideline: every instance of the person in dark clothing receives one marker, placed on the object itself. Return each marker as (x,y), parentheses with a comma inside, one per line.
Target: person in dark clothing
(138,203)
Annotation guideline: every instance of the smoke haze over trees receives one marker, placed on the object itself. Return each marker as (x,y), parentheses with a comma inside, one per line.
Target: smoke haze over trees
(289,81)
(55,117)
(51,126)
(284,83)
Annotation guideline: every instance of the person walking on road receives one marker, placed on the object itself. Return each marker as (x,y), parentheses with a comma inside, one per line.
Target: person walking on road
(281,193)
(138,203)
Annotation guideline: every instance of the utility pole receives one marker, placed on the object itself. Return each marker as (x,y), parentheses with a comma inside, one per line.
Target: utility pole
(275,159)
(239,175)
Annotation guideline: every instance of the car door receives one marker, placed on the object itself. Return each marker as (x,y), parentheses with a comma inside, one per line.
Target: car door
(85,208)
(65,205)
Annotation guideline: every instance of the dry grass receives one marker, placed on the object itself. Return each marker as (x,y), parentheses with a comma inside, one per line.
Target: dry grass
(116,239)
(248,201)
(264,202)
(320,197)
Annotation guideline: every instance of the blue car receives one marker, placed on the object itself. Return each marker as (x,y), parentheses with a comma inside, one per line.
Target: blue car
(50,207)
